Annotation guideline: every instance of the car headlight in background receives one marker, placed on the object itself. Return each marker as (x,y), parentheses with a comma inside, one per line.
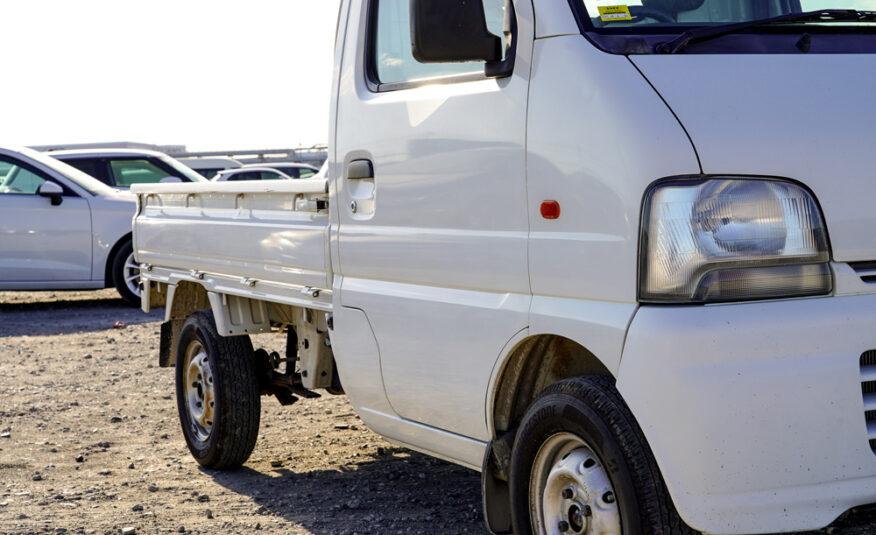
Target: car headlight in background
(732,239)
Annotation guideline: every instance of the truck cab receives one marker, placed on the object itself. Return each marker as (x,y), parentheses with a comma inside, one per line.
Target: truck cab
(617,257)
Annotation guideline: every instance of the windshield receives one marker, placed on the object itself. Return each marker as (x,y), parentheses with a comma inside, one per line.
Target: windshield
(85,181)
(685,13)
(606,20)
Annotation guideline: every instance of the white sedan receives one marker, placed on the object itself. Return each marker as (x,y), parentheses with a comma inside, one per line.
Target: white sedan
(61,229)
(251,173)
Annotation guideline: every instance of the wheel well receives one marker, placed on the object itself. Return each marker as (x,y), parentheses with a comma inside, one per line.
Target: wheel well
(108,268)
(188,297)
(533,365)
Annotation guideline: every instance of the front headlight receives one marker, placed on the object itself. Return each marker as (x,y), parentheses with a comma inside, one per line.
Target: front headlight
(731,239)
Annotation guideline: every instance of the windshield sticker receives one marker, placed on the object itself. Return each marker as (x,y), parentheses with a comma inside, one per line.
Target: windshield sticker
(613,13)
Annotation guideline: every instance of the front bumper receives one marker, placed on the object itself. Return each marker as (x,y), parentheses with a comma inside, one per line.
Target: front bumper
(755,412)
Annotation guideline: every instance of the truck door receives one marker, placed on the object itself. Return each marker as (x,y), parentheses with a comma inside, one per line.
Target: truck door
(432,232)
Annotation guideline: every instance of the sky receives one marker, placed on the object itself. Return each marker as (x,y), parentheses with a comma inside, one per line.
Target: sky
(211,75)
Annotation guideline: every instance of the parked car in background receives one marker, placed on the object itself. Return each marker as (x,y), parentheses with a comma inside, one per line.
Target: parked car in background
(61,229)
(210,167)
(251,173)
(294,170)
(120,168)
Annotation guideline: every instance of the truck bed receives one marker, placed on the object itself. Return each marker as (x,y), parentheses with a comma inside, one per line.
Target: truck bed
(255,239)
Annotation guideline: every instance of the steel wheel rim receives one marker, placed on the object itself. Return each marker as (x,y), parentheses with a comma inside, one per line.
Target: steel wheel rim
(198,391)
(570,491)
(131,275)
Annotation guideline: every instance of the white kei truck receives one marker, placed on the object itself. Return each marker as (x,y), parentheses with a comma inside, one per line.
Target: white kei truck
(620,258)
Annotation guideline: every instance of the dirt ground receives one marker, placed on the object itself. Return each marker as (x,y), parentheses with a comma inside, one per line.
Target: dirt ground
(90,443)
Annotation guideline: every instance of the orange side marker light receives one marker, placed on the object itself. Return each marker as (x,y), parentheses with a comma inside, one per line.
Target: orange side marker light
(550,210)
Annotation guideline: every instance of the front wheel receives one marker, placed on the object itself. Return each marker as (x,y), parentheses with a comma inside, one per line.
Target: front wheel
(217,393)
(581,465)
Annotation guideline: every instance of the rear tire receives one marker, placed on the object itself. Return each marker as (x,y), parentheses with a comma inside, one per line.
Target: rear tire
(581,462)
(126,274)
(217,393)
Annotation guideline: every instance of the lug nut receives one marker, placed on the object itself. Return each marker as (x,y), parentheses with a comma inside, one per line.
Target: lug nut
(198,404)
(608,497)
(587,511)
(563,526)
(568,493)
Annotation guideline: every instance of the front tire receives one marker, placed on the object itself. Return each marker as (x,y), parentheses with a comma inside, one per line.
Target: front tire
(126,274)
(217,393)
(581,465)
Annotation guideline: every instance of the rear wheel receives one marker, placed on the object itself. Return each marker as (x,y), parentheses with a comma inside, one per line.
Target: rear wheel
(581,465)
(126,274)
(217,393)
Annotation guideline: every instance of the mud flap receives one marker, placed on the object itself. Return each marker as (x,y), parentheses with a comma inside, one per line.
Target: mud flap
(167,340)
(494,485)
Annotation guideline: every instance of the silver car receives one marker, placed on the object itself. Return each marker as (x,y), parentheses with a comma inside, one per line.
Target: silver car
(61,229)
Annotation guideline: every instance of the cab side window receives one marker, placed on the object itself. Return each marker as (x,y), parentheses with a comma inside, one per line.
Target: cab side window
(391,45)
(18,180)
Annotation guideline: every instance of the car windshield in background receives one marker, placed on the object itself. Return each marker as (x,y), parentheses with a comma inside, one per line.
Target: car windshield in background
(730,26)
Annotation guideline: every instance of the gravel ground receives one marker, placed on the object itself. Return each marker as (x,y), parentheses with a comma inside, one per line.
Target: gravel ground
(90,443)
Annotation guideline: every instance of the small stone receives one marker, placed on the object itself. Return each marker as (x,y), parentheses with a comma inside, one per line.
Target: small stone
(131,466)
(23,516)
(152,488)
(104,473)
(129,530)
(163,436)
(276,464)
(137,508)
(203,498)
(5,434)
(88,356)
(342,426)
(115,420)
(80,459)
(209,513)
(37,477)
(104,444)
(181,529)
(381,451)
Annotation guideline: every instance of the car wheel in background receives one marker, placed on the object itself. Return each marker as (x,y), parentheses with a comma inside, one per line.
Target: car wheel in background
(126,274)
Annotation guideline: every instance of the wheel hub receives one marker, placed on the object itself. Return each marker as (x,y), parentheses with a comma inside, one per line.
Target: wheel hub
(199,391)
(131,274)
(570,491)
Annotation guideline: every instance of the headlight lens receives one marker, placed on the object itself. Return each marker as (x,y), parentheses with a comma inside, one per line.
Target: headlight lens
(732,239)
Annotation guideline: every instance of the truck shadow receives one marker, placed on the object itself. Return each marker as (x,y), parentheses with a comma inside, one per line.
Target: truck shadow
(396,492)
(401,491)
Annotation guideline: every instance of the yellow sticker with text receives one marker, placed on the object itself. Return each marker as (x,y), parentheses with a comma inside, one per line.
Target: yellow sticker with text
(613,13)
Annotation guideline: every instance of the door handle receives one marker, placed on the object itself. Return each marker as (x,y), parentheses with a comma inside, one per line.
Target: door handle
(360,169)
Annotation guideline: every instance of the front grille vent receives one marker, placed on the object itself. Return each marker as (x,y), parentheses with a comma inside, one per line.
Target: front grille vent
(868,389)
(865,270)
